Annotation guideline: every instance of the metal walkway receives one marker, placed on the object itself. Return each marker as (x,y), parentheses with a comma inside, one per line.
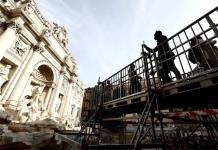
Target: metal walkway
(193,88)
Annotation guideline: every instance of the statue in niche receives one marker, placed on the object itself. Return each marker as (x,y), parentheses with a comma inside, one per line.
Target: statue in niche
(58,104)
(4,72)
(24,107)
(31,107)
(37,97)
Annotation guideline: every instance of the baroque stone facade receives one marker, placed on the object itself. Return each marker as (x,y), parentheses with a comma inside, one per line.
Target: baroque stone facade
(38,75)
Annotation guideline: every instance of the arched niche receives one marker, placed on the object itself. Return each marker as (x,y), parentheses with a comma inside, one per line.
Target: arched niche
(45,73)
(41,78)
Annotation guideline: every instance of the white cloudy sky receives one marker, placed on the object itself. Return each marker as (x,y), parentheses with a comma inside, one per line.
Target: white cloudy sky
(106,35)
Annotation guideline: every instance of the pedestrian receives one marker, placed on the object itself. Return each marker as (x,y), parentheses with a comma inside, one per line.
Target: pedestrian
(165,59)
(135,85)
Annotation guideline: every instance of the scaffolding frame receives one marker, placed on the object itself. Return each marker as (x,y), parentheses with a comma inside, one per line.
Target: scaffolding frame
(139,88)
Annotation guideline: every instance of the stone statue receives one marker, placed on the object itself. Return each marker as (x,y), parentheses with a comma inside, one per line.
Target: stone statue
(31,107)
(4,72)
(37,97)
(58,104)
(34,104)
(61,34)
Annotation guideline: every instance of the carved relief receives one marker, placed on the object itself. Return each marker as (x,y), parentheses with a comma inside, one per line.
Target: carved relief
(15,25)
(20,47)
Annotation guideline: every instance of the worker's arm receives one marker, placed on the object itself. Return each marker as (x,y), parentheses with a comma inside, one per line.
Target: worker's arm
(147,48)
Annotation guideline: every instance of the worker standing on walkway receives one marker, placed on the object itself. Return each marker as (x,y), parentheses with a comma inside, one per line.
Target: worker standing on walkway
(135,85)
(165,58)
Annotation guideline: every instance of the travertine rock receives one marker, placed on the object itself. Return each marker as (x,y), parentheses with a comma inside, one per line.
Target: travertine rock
(4,117)
(46,123)
(5,140)
(16,127)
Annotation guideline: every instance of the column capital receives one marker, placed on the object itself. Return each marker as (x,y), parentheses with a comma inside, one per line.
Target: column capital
(16,23)
(39,47)
(46,33)
(53,85)
(71,80)
(63,70)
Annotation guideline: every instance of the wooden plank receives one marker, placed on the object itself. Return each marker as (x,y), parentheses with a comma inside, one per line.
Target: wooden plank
(196,83)
(131,99)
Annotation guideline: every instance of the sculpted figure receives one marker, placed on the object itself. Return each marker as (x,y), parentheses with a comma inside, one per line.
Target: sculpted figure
(58,104)
(37,97)
(4,72)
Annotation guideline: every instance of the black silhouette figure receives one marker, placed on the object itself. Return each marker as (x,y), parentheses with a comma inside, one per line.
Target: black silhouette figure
(165,58)
(108,91)
(135,85)
(194,54)
(119,91)
(205,54)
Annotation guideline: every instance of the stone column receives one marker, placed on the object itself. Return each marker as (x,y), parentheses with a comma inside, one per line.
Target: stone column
(71,100)
(65,106)
(55,97)
(48,97)
(14,79)
(8,37)
(20,85)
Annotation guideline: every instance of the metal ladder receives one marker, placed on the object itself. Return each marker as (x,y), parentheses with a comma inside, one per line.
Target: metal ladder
(141,130)
(88,123)
(92,122)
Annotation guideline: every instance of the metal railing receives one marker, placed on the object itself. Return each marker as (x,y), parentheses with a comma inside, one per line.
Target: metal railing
(191,51)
